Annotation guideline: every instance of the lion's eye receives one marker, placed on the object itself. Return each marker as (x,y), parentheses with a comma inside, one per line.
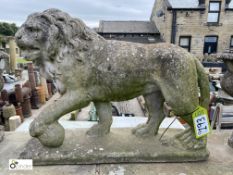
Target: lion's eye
(32,29)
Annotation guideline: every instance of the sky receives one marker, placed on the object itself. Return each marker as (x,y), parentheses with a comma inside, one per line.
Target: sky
(90,11)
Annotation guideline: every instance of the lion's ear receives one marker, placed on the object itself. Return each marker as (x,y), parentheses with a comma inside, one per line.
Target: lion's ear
(85,34)
(81,29)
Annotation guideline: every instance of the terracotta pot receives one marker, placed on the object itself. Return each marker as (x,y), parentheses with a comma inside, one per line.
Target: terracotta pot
(41,94)
(31,75)
(35,102)
(26,106)
(49,85)
(4,95)
(18,93)
(19,112)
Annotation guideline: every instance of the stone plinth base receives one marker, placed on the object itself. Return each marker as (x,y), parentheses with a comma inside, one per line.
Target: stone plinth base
(119,146)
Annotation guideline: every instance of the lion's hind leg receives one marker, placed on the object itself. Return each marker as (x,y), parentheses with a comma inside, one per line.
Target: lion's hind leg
(183,106)
(104,112)
(154,103)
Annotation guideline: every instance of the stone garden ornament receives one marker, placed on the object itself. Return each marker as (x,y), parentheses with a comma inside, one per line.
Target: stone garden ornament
(87,68)
(227,80)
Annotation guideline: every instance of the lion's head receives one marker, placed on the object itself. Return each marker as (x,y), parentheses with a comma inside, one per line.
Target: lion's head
(47,37)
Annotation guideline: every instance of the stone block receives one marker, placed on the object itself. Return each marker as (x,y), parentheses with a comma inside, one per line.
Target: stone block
(14,122)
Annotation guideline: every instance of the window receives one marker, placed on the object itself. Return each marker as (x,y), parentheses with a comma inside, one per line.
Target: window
(210,45)
(231,42)
(214,12)
(185,42)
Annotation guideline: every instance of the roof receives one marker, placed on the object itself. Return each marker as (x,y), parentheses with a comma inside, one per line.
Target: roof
(184,4)
(127,27)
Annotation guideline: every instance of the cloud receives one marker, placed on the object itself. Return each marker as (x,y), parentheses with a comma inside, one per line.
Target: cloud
(90,11)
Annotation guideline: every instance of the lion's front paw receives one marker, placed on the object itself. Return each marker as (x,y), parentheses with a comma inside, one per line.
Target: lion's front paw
(51,135)
(37,128)
(144,130)
(98,130)
(188,140)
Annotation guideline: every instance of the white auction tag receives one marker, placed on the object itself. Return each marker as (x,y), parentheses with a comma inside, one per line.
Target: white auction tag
(201,122)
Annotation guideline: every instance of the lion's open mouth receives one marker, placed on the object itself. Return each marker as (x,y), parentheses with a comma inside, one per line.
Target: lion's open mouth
(31,54)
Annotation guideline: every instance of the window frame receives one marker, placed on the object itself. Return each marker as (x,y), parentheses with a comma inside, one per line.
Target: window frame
(214,11)
(188,48)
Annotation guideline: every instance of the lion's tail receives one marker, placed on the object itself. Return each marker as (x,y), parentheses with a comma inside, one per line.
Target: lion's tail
(203,83)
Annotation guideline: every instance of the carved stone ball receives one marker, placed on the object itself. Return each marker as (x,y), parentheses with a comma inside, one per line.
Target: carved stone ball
(53,136)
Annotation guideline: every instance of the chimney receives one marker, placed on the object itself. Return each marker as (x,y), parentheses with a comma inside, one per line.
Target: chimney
(228,2)
(201,2)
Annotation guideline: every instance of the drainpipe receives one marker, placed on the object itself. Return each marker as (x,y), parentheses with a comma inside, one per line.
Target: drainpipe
(173,33)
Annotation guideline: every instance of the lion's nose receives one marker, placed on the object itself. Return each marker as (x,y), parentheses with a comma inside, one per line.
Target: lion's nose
(18,36)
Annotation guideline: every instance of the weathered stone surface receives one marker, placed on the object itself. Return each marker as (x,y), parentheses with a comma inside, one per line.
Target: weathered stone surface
(227,83)
(86,67)
(227,80)
(53,136)
(117,147)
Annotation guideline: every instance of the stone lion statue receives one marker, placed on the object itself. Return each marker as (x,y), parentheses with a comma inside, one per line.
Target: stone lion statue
(87,68)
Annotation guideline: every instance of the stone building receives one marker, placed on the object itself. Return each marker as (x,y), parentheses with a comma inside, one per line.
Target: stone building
(200,26)
(133,31)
